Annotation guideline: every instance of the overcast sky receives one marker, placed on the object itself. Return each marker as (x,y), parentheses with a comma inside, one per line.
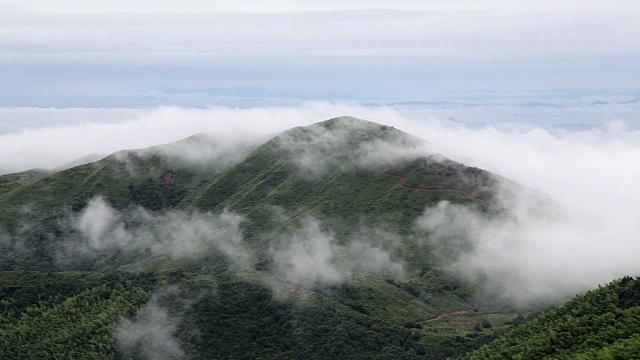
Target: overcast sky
(117,53)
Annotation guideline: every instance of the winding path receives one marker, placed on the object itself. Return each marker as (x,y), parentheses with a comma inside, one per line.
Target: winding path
(414,188)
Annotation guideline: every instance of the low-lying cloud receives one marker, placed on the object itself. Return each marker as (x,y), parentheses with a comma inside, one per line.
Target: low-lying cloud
(151,333)
(175,234)
(312,255)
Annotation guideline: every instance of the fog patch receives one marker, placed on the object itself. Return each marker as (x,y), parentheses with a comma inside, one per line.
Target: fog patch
(152,333)
(402,149)
(529,253)
(319,148)
(78,132)
(191,231)
(311,256)
(102,226)
(175,234)
(308,255)
(214,152)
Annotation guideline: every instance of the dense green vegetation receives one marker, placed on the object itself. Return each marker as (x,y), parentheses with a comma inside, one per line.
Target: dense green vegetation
(600,324)
(63,315)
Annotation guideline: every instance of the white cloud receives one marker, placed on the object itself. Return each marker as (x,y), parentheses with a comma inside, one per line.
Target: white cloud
(152,332)
(588,236)
(188,6)
(311,255)
(91,54)
(175,234)
(426,33)
(102,225)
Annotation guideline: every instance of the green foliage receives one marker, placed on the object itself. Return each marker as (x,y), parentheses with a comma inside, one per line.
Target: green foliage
(600,324)
(244,320)
(79,327)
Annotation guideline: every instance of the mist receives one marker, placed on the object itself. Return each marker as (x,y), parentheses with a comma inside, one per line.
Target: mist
(152,332)
(311,255)
(583,233)
(175,234)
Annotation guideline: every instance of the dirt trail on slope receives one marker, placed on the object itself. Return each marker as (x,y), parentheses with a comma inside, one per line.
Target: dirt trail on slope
(453,312)
(414,188)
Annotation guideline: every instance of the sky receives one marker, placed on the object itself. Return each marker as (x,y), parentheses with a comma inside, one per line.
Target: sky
(191,53)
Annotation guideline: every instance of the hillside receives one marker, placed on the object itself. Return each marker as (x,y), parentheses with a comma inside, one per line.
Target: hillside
(305,246)
(600,324)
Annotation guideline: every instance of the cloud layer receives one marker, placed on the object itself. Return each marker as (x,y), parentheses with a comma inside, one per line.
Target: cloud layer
(148,54)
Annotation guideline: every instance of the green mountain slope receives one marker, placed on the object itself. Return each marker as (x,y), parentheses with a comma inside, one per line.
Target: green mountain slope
(303,247)
(302,172)
(36,207)
(600,324)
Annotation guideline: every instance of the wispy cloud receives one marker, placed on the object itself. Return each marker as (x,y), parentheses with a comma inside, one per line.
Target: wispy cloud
(152,332)
(175,234)
(311,256)
(50,145)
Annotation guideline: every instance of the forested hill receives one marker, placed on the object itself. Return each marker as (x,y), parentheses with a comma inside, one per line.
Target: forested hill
(601,324)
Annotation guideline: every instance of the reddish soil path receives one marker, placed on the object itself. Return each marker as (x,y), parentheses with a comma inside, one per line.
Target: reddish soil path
(454,312)
(413,188)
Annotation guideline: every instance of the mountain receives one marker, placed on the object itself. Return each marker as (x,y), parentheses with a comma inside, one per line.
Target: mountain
(632,101)
(306,245)
(540,104)
(81,161)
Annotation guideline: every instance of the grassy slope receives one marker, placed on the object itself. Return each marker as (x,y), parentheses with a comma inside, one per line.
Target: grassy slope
(345,193)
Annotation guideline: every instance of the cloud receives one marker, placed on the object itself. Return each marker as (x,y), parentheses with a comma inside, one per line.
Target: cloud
(584,234)
(318,150)
(427,32)
(311,255)
(308,255)
(314,51)
(152,332)
(175,234)
(193,6)
(102,226)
